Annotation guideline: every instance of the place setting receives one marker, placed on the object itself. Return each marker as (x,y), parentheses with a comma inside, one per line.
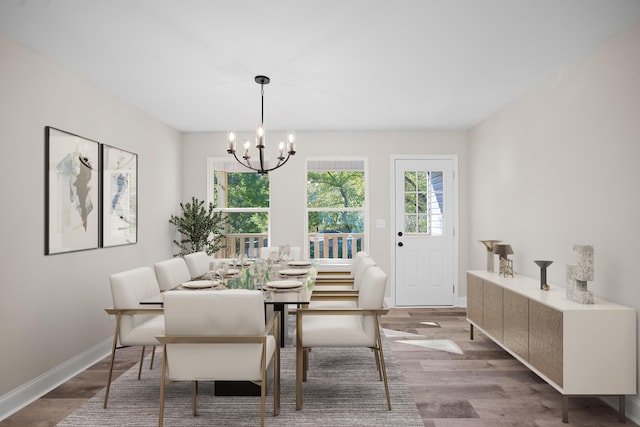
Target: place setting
(225,271)
(202,284)
(299,264)
(293,272)
(283,285)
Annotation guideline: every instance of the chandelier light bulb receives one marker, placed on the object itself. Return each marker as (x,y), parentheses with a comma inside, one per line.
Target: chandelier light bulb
(231,142)
(260,135)
(281,150)
(247,144)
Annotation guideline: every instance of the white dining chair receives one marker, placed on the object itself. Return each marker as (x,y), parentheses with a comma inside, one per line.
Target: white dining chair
(197,263)
(219,336)
(294,252)
(344,327)
(265,252)
(343,276)
(353,284)
(135,326)
(171,273)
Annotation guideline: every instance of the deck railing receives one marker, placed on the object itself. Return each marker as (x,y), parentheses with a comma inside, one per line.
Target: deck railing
(335,245)
(245,243)
(321,245)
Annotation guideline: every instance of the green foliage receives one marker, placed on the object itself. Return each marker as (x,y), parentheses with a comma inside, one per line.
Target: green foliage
(247,190)
(201,228)
(336,222)
(337,189)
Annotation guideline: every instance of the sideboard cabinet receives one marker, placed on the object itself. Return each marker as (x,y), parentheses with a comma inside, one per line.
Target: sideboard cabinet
(579,349)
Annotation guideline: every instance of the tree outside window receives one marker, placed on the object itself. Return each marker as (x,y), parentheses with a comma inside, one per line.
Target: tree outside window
(243,197)
(336,208)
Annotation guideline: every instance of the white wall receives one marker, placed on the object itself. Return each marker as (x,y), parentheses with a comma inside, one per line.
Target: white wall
(560,167)
(288,183)
(52,307)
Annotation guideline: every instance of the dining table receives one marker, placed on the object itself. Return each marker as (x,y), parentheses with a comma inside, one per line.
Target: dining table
(287,284)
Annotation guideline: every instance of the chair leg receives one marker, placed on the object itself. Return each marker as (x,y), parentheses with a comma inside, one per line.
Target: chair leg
(382,366)
(263,391)
(141,359)
(113,356)
(194,394)
(153,356)
(276,370)
(375,352)
(299,360)
(162,386)
(305,363)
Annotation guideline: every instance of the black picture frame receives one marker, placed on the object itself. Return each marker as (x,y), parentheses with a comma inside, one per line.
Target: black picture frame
(119,197)
(72,192)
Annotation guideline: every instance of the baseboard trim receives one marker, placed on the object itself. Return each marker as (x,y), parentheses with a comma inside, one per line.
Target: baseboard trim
(23,395)
(632,406)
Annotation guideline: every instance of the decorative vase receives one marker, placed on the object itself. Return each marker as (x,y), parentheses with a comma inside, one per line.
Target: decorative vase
(489,245)
(543,273)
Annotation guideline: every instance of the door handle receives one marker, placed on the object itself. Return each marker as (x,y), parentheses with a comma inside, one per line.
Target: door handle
(400,233)
(400,244)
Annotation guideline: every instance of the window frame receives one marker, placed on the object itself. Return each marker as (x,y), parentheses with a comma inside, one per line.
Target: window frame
(236,168)
(364,209)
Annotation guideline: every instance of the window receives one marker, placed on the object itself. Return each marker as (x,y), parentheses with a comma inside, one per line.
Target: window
(336,208)
(423,209)
(243,196)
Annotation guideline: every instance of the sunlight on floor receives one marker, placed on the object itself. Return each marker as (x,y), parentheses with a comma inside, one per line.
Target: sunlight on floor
(443,345)
(410,338)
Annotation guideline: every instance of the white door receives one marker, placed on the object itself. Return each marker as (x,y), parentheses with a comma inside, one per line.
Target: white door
(424,232)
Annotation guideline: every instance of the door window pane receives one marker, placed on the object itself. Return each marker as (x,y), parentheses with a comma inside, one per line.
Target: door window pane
(424,210)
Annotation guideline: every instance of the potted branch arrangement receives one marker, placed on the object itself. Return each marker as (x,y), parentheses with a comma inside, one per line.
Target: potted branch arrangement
(201,228)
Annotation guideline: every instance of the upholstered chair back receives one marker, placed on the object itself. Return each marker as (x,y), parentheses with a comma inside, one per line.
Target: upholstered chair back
(363,266)
(356,261)
(294,252)
(371,295)
(268,250)
(128,288)
(197,263)
(171,273)
(228,313)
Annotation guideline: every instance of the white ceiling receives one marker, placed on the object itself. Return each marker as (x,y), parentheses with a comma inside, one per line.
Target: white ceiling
(333,64)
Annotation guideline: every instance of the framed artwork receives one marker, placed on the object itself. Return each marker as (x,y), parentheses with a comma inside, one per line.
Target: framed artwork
(120,197)
(72,192)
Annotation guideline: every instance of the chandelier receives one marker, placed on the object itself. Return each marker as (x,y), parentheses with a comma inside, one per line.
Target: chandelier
(260,141)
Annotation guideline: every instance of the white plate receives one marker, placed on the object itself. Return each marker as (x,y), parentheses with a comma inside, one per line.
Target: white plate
(284,284)
(230,272)
(200,284)
(300,263)
(293,272)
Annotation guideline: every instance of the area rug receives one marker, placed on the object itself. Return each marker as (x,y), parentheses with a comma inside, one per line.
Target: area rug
(342,389)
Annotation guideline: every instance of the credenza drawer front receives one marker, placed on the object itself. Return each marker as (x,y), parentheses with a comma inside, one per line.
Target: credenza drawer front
(516,323)
(545,341)
(493,310)
(475,299)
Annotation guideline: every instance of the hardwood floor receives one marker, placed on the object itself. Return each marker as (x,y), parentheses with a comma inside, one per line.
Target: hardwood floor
(454,381)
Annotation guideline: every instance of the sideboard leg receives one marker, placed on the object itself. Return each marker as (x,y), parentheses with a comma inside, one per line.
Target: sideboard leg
(565,408)
(621,409)
(470,331)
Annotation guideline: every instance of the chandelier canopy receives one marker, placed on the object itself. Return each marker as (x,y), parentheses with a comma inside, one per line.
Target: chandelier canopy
(261,139)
